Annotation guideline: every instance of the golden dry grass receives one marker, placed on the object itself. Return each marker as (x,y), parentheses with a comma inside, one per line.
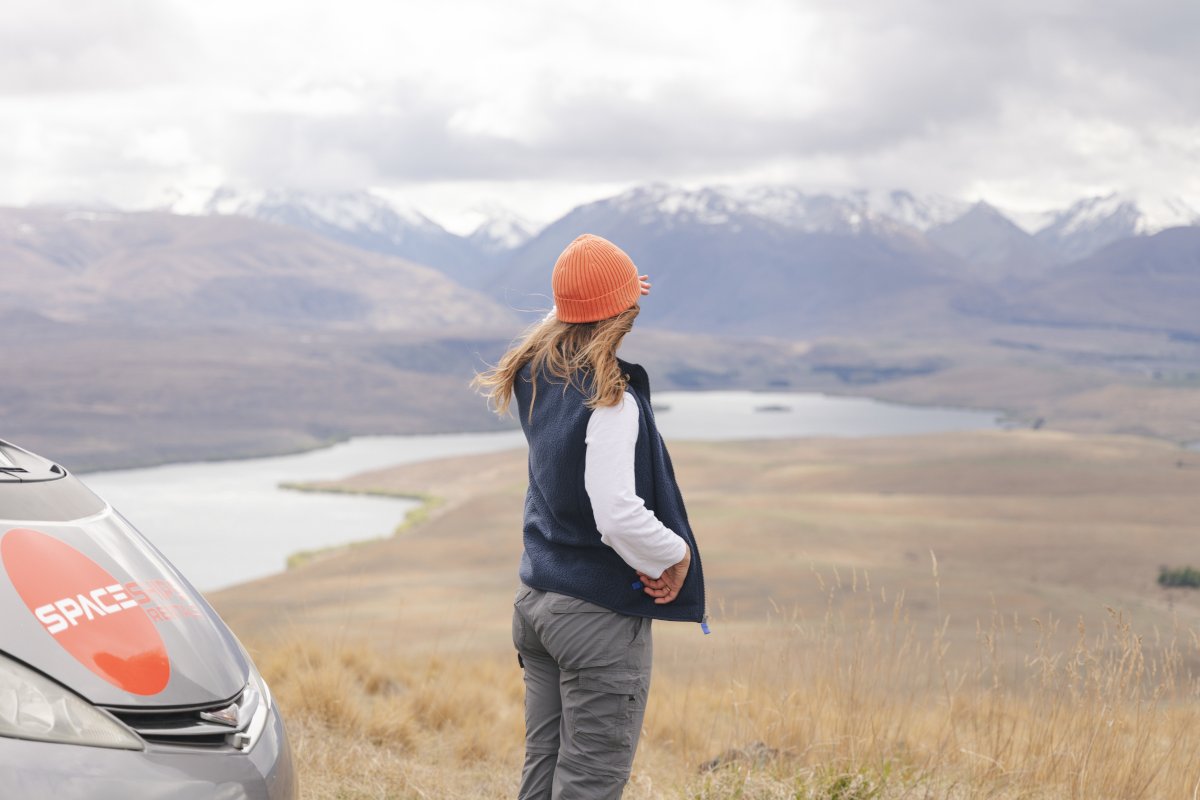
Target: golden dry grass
(1041,661)
(850,706)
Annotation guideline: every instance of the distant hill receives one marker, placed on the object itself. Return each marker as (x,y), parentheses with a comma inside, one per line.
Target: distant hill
(991,246)
(1147,283)
(159,269)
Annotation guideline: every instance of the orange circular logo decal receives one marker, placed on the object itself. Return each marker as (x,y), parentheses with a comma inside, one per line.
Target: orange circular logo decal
(88,611)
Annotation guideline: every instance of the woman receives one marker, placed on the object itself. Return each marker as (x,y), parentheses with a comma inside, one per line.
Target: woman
(607,542)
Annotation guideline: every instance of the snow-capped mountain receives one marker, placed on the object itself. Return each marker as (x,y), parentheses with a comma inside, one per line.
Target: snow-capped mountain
(362,219)
(761,260)
(792,208)
(778,260)
(812,213)
(1093,222)
(360,211)
(787,207)
(921,212)
(1031,239)
(500,230)
(994,244)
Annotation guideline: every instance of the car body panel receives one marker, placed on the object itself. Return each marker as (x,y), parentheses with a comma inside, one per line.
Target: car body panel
(204,660)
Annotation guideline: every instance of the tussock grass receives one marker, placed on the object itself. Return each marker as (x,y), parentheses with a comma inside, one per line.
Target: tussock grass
(363,726)
(858,703)
(1038,660)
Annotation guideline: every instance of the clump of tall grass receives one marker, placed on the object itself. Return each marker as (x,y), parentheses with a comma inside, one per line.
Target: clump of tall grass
(863,694)
(860,703)
(366,726)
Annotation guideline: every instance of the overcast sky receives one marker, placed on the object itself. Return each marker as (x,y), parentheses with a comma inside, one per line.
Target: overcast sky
(538,105)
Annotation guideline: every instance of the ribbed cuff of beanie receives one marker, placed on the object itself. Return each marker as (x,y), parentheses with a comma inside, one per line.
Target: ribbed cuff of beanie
(594,309)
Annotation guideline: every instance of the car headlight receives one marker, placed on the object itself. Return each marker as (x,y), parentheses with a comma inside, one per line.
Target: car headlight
(34,707)
(257,702)
(259,683)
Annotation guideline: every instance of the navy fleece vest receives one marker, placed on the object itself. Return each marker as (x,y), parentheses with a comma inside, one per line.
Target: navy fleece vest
(563,551)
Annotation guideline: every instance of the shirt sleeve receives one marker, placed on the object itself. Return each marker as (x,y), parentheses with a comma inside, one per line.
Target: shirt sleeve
(624,522)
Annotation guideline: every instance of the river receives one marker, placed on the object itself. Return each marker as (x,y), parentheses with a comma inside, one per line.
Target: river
(225,522)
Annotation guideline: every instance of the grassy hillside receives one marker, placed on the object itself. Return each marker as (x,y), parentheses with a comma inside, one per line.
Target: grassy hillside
(167,271)
(106,396)
(853,708)
(112,397)
(957,615)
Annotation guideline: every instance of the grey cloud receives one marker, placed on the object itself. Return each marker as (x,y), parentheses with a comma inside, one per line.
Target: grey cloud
(952,91)
(597,134)
(49,46)
(910,72)
(406,139)
(1067,51)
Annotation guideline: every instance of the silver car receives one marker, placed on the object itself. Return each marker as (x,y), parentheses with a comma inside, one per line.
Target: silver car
(117,679)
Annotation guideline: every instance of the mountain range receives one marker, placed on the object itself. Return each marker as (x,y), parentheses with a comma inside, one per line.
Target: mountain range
(371,222)
(978,231)
(274,322)
(780,262)
(161,270)
(767,260)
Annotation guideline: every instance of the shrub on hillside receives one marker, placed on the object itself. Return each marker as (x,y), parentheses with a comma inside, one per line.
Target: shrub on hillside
(1179,576)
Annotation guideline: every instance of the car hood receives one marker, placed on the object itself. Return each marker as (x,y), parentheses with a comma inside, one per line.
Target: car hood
(92,604)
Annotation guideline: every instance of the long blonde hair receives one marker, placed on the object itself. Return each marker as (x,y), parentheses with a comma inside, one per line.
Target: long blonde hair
(579,354)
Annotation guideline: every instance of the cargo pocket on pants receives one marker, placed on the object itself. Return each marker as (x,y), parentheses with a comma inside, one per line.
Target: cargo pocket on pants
(601,709)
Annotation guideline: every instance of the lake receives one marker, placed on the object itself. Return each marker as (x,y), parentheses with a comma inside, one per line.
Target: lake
(225,522)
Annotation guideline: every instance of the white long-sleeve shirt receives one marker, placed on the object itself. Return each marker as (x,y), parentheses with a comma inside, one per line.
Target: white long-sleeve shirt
(624,522)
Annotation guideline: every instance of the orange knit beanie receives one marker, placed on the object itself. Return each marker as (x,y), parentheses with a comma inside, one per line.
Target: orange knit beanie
(593,280)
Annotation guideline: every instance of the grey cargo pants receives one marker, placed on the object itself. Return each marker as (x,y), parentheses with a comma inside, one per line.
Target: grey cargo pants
(587,676)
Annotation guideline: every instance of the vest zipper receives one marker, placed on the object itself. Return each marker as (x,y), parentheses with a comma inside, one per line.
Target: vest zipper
(694,546)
